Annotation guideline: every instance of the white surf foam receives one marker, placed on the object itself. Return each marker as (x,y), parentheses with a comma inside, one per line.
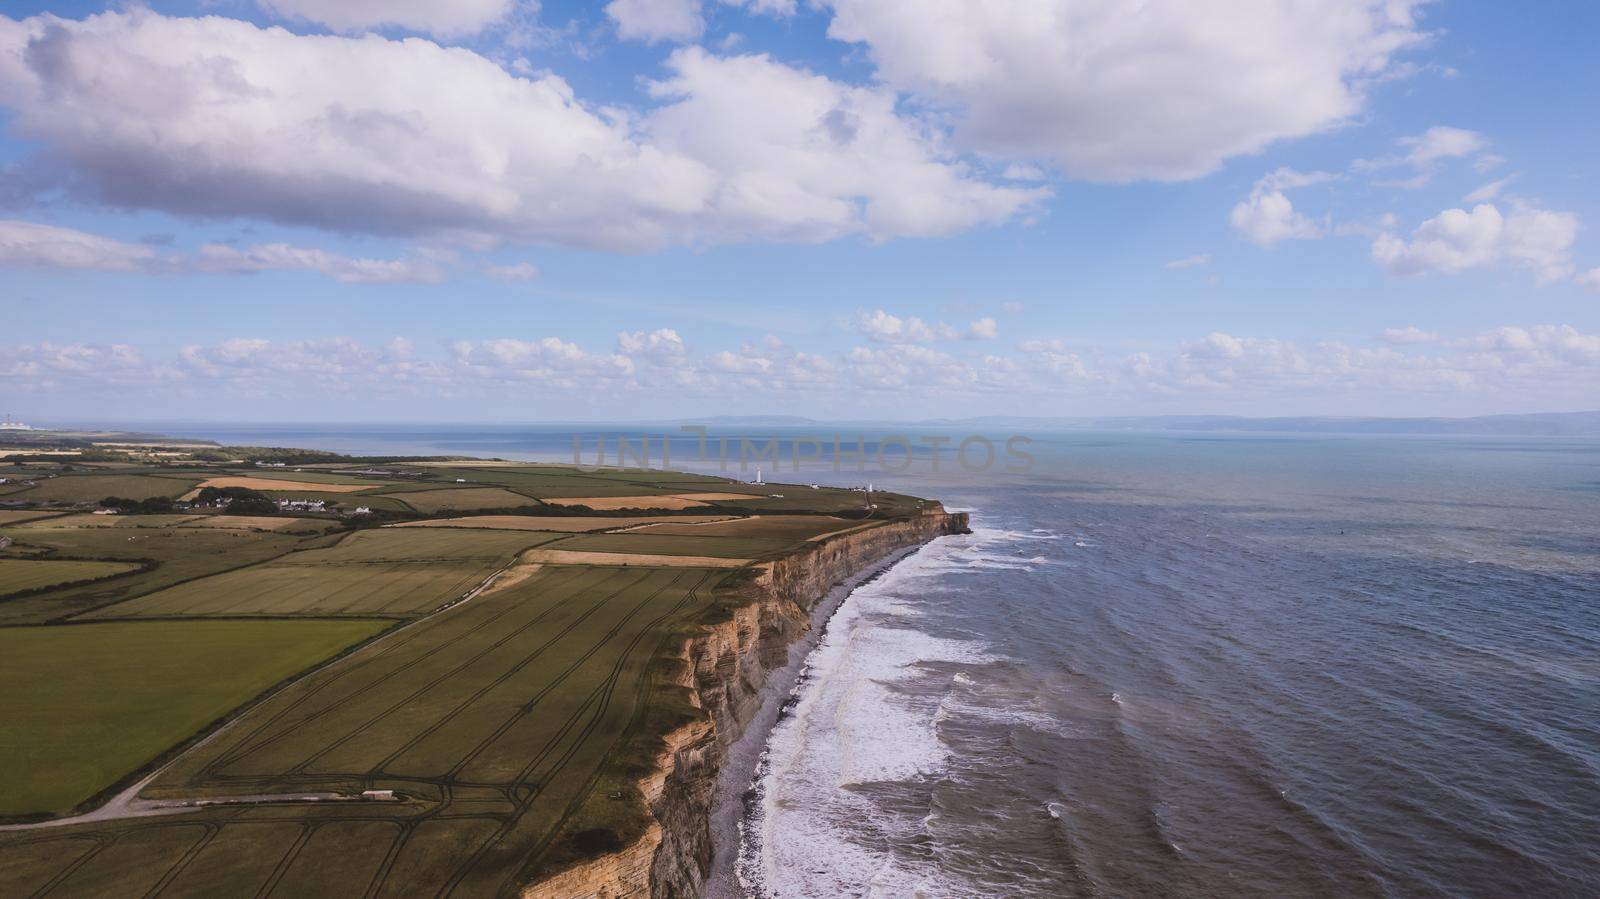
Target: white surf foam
(813,831)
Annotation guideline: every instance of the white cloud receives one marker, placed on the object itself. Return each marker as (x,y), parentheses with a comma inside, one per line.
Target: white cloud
(881,327)
(1113,91)
(1268,216)
(29,245)
(656,20)
(1590,280)
(1550,365)
(1190,261)
(1017,171)
(983,329)
(1442,142)
(1457,240)
(1422,151)
(1488,191)
(809,158)
(446,18)
(142,111)
(281,257)
(519,271)
(1410,334)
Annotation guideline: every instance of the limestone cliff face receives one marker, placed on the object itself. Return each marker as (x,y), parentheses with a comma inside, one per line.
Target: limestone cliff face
(725,666)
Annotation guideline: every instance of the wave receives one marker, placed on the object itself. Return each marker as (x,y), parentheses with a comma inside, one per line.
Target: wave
(856,722)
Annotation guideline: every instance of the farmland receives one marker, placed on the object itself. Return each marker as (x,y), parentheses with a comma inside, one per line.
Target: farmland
(171,679)
(570,523)
(17,575)
(501,673)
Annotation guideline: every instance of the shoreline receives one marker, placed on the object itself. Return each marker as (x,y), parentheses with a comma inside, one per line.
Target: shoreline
(735,780)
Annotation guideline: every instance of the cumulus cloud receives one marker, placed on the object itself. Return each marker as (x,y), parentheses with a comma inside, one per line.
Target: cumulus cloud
(29,245)
(1190,261)
(1410,334)
(881,327)
(808,158)
(1590,280)
(983,329)
(1112,91)
(1420,153)
(445,18)
(1457,240)
(1268,216)
(1544,363)
(656,20)
(144,111)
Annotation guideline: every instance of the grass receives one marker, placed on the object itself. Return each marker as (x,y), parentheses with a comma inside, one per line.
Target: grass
(793,527)
(517,698)
(676,545)
(17,575)
(181,554)
(515,725)
(461,499)
(18,516)
(343,501)
(569,523)
(387,589)
(421,544)
(91,520)
(88,488)
(67,736)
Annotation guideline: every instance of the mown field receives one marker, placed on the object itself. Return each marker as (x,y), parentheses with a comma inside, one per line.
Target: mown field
(17,575)
(675,545)
(384,589)
(76,488)
(180,554)
(570,523)
(86,705)
(510,704)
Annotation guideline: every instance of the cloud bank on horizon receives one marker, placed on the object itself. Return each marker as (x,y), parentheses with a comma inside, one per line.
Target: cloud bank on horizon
(1072,203)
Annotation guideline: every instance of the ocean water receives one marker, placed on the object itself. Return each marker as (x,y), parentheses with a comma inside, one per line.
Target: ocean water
(1186,665)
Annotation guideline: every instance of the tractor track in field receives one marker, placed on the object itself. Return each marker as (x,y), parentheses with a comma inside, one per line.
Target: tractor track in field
(566,744)
(573,718)
(245,746)
(299,768)
(127,804)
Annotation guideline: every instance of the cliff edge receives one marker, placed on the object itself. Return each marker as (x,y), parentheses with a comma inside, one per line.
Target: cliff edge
(718,668)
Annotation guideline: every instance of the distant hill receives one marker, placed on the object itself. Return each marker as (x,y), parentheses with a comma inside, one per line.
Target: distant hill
(1545,424)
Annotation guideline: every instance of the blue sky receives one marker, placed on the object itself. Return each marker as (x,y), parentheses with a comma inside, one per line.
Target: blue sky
(496,210)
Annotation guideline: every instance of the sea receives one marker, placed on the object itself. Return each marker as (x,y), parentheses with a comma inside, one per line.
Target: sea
(1177,664)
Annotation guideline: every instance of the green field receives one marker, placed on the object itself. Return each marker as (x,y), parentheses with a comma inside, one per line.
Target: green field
(17,516)
(341,500)
(90,520)
(675,545)
(792,527)
(17,575)
(80,488)
(460,499)
(86,705)
(181,554)
(359,589)
(513,725)
(421,544)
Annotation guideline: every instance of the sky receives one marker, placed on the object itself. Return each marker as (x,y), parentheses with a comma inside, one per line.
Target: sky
(505,210)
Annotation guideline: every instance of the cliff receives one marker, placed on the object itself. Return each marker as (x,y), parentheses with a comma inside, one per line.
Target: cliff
(721,666)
